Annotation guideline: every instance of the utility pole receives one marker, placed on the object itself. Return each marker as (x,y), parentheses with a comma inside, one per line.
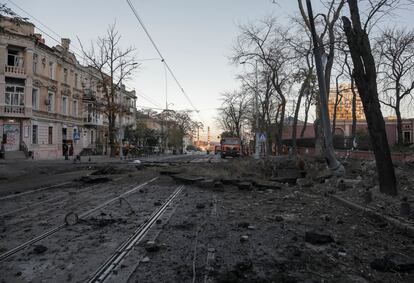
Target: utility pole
(333,164)
(256,143)
(208,137)
(256,154)
(198,135)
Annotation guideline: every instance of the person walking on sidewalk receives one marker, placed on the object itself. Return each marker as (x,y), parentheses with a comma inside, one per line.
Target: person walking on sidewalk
(2,151)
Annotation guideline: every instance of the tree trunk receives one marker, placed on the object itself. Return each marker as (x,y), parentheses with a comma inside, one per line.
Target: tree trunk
(354,119)
(302,90)
(335,109)
(281,123)
(112,135)
(365,78)
(400,140)
(307,107)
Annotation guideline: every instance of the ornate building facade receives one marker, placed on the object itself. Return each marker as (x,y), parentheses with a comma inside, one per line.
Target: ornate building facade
(47,99)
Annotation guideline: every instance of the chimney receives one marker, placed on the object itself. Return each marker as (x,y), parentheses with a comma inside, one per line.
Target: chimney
(39,38)
(65,42)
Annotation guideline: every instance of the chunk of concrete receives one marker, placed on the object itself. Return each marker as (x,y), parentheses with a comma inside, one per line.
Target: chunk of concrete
(245,186)
(393,263)
(264,185)
(318,238)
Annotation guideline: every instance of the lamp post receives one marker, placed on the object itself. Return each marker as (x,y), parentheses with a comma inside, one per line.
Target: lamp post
(256,110)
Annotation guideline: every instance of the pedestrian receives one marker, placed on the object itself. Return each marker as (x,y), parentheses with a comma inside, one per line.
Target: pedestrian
(2,151)
(71,150)
(65,151)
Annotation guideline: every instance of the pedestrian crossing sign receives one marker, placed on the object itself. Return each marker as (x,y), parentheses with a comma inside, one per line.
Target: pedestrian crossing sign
(262,137)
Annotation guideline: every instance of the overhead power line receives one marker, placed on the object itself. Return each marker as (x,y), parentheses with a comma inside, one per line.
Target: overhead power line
(140,93)
(159,53)
(45,26)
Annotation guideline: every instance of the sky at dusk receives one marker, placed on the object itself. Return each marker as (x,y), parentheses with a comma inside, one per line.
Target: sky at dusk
(195,37)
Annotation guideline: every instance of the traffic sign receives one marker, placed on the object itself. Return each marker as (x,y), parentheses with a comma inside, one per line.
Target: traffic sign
(76,136)
(262,137)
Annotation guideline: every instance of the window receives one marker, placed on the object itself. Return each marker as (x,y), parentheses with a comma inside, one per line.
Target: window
(14,95)
(75,108)
(76,80)
(65,75)
(34,134)
(35,98)
(89,111)
(50,136)
(35,59)
(51,70)
(51,102)
(64,105)
(14,58)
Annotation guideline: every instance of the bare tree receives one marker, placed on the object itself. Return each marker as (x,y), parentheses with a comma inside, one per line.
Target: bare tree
(233,114)
(326,41)
(301,43)
(265,43)
(396,64)
(262,100)
(354,96)
(114,66)
(182,125)
(310,98)
(365,75)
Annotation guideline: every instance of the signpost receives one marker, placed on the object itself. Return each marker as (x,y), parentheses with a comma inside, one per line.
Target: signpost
(262,137)
(76,136)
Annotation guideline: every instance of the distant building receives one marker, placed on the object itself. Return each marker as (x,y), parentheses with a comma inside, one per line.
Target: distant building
(344,104)
(343,123)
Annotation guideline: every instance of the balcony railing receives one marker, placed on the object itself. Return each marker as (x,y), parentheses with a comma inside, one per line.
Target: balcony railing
(15,70)
(19,110)
(90,120)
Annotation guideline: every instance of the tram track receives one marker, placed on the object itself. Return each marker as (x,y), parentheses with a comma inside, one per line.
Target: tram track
(106,269)
(52,231)
(29,204)
(13,196)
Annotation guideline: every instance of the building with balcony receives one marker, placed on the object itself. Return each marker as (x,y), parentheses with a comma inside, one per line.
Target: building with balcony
(48,99)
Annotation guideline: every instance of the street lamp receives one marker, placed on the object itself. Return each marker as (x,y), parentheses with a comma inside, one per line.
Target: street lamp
(256,110)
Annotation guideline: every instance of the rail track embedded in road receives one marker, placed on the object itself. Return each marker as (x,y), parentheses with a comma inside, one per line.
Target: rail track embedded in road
(11,196)
(33,204)
(52,231)
(105,270)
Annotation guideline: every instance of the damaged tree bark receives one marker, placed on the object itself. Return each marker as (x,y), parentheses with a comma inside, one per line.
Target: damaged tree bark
(365,76)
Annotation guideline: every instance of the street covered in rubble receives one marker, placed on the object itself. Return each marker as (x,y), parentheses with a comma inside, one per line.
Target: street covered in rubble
(207,141)
(219,220)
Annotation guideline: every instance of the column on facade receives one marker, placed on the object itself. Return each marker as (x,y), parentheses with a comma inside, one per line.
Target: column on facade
(26,123)
(3,56)
(29,80)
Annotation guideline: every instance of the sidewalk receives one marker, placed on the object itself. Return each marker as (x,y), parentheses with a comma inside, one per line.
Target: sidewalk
(21,175)
(94,159)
